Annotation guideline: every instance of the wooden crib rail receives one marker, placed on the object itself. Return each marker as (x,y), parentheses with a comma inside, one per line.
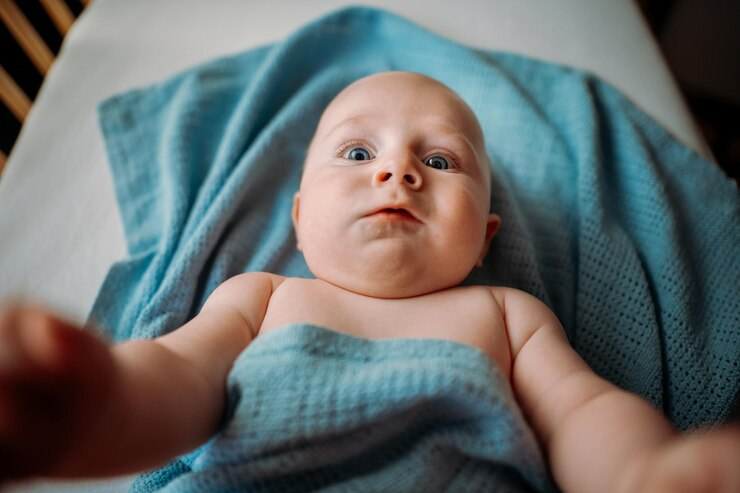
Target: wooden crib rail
(12,93)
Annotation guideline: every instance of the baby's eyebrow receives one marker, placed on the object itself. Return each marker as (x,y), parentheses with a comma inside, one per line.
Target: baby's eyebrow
(357,122)
(454,134)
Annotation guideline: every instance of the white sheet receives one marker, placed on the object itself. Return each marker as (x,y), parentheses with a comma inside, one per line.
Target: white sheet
(59,225)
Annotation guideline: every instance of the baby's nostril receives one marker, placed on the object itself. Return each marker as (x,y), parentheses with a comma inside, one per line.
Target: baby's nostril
(411,179)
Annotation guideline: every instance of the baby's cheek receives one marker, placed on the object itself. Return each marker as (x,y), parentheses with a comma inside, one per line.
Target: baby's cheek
(470,211)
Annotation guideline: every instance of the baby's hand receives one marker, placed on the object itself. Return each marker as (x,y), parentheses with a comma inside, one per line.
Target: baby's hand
(700,462)
(51,375)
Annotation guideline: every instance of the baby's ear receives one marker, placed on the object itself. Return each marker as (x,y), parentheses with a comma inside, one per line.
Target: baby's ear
(294,216)
(492,226)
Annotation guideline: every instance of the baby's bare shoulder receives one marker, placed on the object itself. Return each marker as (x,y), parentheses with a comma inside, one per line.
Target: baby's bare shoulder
(524,314)
(515,301)
(248,294)
(246,284)
(502,294)
(244,280)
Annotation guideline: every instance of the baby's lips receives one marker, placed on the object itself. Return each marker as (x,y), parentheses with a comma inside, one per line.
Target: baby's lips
(396,208)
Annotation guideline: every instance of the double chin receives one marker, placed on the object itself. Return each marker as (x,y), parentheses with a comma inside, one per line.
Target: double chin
(384,274)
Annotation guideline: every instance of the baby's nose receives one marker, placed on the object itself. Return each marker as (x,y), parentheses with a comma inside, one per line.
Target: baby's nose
(400,171)
(409,179)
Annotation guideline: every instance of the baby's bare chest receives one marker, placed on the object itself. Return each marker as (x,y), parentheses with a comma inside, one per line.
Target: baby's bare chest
(469,315)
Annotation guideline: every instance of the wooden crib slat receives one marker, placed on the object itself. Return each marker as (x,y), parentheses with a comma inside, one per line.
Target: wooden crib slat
(60,14)
(13,96)
(26,35)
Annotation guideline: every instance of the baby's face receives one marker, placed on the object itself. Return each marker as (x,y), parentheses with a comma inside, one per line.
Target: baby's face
(395,193)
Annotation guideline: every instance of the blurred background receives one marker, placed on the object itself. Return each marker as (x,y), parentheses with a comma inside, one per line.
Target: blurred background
(700,40)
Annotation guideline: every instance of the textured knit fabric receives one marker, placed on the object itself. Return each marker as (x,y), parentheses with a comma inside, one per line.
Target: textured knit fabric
(629,236)
(317,410)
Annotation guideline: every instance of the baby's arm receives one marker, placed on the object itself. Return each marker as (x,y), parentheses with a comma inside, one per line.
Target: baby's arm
(129,407)
(598,437)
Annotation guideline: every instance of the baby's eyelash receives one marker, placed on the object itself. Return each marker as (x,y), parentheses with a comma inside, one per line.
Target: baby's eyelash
(445,153)
(352,143)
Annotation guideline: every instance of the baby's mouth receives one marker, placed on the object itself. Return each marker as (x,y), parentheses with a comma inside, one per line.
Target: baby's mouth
(394,213)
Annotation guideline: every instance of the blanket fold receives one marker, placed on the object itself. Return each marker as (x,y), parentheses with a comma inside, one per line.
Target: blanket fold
(629,236)
(317,410)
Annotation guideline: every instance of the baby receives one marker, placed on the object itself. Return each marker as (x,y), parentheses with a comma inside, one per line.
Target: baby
(392,215)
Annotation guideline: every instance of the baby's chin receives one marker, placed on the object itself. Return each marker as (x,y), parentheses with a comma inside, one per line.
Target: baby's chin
(387,269)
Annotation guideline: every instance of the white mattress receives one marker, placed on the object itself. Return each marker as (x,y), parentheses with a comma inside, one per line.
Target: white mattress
(59,225)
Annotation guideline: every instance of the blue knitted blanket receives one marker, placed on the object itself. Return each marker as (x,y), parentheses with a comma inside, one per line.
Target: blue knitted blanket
(629,236)
(317,410)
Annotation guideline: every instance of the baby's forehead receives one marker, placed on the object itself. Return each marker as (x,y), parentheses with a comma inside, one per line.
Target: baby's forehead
(364,102)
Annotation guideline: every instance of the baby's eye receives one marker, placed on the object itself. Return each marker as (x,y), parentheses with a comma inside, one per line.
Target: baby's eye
(437,162)
(358,154)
